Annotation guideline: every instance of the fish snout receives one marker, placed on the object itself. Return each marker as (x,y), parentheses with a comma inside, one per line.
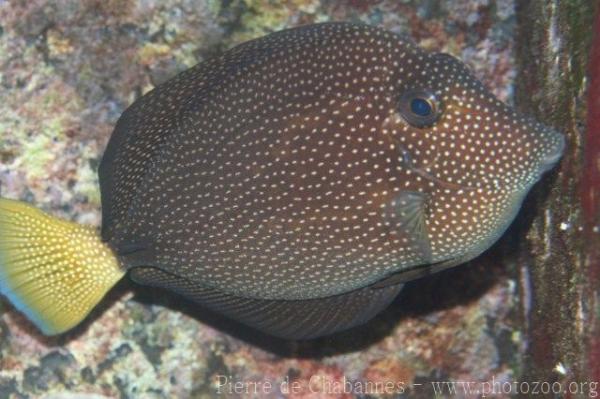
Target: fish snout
(556,153)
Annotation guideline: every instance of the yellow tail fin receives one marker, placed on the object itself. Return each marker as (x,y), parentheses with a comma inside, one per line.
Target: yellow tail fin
(52,270)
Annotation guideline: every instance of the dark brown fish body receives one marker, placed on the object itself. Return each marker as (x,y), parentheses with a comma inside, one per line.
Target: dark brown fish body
(290,169)
(296,181)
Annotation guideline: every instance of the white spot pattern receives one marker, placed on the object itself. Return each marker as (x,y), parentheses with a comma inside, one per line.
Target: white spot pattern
(269,172)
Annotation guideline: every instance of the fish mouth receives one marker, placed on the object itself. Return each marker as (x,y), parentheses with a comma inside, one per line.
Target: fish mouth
(552,158)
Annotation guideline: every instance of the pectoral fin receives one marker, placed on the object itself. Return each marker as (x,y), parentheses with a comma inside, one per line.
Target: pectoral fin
(405,216)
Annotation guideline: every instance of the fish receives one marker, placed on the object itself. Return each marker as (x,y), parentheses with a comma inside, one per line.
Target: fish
(294,183)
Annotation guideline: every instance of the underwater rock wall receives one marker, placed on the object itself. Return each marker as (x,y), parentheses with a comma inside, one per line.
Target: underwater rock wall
(67,71)
(560,260)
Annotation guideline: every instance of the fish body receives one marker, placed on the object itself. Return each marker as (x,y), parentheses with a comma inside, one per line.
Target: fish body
(297,181)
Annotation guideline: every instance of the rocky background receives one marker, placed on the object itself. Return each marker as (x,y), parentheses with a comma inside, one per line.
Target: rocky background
(67,71)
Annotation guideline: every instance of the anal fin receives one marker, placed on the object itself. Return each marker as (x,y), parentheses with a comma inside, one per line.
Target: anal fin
(293,319)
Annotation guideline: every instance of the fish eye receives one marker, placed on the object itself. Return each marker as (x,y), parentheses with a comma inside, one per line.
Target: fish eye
(419,108)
